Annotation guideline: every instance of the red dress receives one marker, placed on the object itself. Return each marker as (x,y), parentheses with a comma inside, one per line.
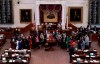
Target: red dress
(30,44)
(72,43)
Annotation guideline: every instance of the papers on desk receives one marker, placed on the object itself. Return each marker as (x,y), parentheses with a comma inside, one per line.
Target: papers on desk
(13,60)
(85,50)
(20,51)
(73,55)
(27,55)
(92,56)
(10,60)
(6,50)
(13,50)
(16,50)
(78,59)
(95,50)
(79,50)
(17,54)
(1,36)
(76,49)
(24,61)
(3,55)
(76,55)
(87,55)
(74,61)
(3,59)
(24,51)
(96,61)
(91,61)
(6,53)
(13,55)
(29,50)
(86,61)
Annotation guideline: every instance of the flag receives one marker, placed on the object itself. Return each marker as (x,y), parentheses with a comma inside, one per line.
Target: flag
(34,23)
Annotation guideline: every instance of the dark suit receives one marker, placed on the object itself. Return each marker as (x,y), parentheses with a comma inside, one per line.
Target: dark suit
(71,52)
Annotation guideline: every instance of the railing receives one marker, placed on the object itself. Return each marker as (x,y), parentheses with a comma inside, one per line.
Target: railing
(73,27)
(27,28)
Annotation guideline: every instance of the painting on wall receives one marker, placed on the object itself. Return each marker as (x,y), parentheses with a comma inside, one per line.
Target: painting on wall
(50,16)
(75,14)
(25,15)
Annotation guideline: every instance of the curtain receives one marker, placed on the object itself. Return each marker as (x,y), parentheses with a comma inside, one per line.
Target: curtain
(50,8)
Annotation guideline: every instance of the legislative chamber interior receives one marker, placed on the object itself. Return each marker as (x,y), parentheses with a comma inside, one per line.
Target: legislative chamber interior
(49,32)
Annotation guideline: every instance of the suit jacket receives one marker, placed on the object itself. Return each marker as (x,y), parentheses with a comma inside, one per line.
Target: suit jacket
(71,50)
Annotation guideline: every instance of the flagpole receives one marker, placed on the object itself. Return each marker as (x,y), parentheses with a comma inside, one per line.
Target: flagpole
(67,22)
(36,28)
(35,23)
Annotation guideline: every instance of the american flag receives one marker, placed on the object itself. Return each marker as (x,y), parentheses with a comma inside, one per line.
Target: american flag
(34,23)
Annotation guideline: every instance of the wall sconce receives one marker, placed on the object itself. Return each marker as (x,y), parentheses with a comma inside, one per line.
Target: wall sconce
(18,2)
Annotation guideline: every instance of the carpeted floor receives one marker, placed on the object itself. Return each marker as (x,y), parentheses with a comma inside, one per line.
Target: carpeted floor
(5,46)
(95,46)
(58,56)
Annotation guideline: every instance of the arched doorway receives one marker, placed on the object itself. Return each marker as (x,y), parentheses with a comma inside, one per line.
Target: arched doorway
(63,15)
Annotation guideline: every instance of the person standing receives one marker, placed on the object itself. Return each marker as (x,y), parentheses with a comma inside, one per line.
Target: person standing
(87,42)
(67,42)
(56,36)
(59,39)
(42,38)
(26,42)
(37,41)
(83,44)
(71,52)
(19,45)
(79,43)
(63,40)
(30,42)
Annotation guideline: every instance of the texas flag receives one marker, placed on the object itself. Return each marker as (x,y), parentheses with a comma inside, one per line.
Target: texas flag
(34,23)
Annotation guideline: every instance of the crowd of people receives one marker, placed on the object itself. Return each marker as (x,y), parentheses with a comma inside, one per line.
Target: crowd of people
(69,42)
(79,39)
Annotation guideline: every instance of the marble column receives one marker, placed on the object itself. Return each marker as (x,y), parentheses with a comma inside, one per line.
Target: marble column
(63,16)
(37,17)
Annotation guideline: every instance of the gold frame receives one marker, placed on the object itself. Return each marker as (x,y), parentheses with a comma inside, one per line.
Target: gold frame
(30,16)
(46,20)
(81,8)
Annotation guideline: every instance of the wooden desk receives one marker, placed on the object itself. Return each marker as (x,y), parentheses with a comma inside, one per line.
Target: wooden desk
(2,39)
(16,57)
(85,57)
(86,62)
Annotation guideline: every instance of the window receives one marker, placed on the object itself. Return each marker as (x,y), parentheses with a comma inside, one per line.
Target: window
(94,9)
(6,16)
